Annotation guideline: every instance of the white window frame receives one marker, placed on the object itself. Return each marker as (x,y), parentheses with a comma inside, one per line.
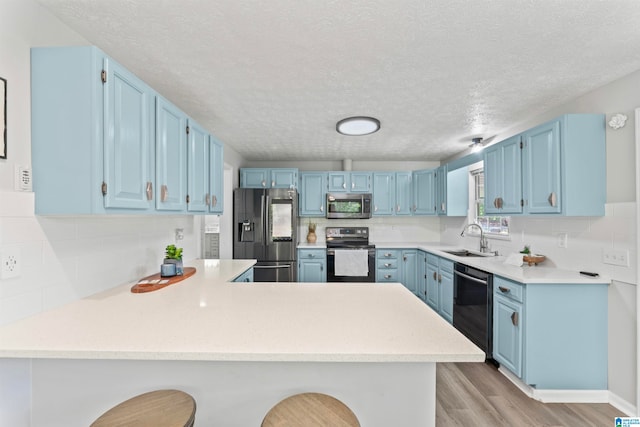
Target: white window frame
(474,170)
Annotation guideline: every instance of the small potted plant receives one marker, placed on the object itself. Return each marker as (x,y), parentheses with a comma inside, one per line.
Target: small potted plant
(173,255)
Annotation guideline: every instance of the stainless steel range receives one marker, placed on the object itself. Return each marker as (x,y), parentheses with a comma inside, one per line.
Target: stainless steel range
(350,257)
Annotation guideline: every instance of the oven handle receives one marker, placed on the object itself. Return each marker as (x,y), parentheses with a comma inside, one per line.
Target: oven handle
(473,279)
(261,267)
(332,252)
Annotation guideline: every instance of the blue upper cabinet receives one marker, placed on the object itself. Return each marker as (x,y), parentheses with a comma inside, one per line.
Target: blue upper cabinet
(350,182)
(268,178)
(197,168)
(441,190)
(128,146)
(384,193)
(94,115)
(543,192)
(424,201)
(216,176)
(128,154)
(503,177)
(556,168)
(313,191)
(404,194)
(171,157)
(457,200)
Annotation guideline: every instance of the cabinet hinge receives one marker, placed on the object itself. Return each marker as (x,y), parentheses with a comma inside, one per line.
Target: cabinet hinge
(103,76)
(187,198)
(521,145)
(521,202)
(104,188)
(187,130)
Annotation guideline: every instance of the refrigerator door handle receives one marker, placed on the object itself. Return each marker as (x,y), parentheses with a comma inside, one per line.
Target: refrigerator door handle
(262,220)
(267,222)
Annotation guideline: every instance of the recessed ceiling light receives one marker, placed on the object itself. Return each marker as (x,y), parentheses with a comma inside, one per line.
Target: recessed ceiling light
(358,125)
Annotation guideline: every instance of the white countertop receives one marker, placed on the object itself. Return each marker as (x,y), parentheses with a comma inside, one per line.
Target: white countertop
(205,317)
(539,274)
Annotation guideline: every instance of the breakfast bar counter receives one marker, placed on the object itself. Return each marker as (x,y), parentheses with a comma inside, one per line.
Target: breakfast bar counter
(238,348)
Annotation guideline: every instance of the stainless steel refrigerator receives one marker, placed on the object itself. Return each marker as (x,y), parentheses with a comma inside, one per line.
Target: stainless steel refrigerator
(266,229)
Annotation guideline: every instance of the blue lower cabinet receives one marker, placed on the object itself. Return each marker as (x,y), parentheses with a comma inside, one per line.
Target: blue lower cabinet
(439,286)
(552,336)
(387,265)
(247,276)
(410,270)
(312,265)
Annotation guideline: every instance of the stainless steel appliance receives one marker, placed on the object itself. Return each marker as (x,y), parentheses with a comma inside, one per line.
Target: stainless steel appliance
(350,257)
(473,306)
(348,205)
(266,228)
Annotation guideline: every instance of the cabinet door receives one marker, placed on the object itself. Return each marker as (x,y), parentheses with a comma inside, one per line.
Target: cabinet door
(446,290)
(424,201)
(507,333)
(360,182)
(432,283)
(421,272)
(171,153)
(403,193)
(313,193)
(216,176)
(197,168)
(254,178)
(338,182)
(503,177)
(384,193)
(441,190)
(410,270)
(283,178)
(542,169)
(128,153)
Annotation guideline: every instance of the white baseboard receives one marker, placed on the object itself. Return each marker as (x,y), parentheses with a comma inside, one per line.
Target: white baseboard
(571,396)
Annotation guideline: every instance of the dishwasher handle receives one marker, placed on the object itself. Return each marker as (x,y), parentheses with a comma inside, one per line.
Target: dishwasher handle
(473,279)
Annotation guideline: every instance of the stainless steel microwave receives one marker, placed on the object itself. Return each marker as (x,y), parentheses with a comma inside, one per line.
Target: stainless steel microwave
(348,205)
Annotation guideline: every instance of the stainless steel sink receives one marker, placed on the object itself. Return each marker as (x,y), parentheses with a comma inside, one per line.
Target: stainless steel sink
(466,253)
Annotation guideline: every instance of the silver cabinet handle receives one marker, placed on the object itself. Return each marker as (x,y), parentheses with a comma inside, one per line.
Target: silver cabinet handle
(311,255)
(353,185)
(273,184)
(149,190)
(397,208)
(387,276)
(552,199)
(386,264)
(375,208)
(344,185)
(164,193)
(264,183)
(322,208)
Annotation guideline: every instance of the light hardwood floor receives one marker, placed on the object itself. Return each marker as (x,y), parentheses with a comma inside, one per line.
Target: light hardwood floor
(476,394)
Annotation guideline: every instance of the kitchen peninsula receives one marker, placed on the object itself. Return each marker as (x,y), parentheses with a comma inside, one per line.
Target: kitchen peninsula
(238,348)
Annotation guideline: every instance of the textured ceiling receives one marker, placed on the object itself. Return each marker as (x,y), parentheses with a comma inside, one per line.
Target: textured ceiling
(271,78)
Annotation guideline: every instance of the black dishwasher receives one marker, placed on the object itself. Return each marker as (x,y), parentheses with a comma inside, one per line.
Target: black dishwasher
(473,306)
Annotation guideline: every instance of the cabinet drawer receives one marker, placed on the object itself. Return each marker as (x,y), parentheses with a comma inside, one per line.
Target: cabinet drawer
(311,254)
(508,289)
(387,254)
(387,275)
(387,264)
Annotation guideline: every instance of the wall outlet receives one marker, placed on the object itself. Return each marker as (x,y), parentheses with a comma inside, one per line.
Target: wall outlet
(616,257)
(23,178)
(562,240)
(11,264)
(179,234)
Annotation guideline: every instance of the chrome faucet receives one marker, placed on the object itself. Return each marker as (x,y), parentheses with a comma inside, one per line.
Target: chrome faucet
(484,244)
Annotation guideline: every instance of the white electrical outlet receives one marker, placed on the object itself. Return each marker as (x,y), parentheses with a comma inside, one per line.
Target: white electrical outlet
(23,178)
(179,234)
(562,240)
(10,264)
(616,257)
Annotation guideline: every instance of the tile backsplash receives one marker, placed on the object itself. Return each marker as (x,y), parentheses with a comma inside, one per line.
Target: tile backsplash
(66,258)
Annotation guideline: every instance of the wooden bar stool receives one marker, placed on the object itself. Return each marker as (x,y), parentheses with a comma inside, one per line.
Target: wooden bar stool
(310,410)
(160,408)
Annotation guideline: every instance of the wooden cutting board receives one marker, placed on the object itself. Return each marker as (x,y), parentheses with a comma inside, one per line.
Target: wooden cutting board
(155,281)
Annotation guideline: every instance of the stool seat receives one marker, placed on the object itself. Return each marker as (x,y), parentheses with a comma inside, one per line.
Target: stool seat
(310,410)
(160,408)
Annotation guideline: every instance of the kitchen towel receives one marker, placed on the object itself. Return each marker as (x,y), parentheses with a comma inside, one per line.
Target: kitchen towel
(351,262)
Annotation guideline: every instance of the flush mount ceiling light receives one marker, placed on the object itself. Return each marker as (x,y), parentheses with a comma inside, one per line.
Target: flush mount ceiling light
(358,125)
(476,144)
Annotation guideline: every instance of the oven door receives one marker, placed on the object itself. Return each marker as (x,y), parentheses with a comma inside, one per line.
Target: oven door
(355,274)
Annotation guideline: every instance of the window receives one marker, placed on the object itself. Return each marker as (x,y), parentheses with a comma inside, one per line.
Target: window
(492,225)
